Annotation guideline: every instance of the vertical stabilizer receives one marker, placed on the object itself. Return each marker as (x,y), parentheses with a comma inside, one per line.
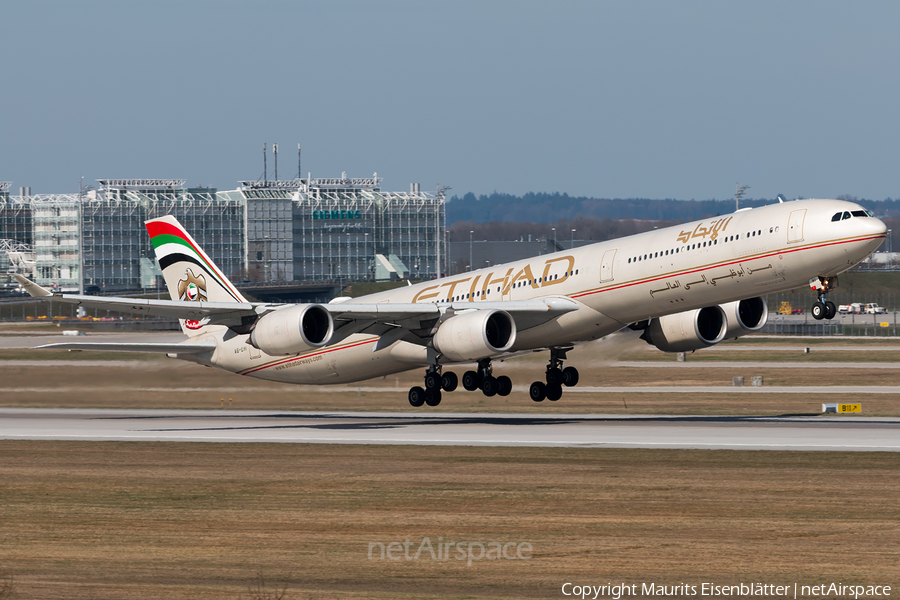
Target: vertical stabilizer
(189,273)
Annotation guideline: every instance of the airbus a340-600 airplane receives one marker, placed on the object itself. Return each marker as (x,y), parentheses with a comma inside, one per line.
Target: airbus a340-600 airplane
(687,287)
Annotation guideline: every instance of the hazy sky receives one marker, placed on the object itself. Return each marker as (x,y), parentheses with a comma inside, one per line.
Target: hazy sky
(609,99)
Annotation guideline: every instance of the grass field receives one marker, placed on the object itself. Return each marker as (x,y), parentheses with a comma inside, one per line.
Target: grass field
(167,520)
(152,381)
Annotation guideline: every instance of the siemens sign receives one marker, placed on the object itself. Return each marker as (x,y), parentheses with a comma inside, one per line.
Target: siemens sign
(322,215)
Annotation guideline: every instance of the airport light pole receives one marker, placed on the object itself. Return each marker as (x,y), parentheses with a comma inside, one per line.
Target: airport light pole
(470,249)
(573,239)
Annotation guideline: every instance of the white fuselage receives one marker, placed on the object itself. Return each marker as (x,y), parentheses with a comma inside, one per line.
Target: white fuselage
(713,261)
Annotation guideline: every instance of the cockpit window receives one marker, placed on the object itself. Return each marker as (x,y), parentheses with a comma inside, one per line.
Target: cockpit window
(846,215)
(836,217)
(860,213)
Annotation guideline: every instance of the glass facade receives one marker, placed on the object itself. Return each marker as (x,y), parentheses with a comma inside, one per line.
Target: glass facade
(365,234)
(303,230)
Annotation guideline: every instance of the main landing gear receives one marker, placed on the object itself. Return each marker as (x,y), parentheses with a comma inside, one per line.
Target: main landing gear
(483,379)
(434,383)
(823,309)
(556,377)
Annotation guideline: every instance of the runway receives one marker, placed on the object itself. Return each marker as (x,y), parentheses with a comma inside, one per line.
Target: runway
(457,429)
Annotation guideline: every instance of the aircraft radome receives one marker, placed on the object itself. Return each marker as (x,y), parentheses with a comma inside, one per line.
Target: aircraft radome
(686,287)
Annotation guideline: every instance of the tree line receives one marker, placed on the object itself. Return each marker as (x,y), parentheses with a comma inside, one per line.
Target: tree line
(536,207)
(538,216)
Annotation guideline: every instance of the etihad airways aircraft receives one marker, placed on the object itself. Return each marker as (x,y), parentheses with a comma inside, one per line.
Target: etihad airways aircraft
(687,287)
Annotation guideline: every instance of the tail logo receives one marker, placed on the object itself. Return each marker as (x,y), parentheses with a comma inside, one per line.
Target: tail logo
(192,288)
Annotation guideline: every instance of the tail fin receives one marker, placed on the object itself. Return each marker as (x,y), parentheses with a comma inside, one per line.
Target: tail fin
(189,273)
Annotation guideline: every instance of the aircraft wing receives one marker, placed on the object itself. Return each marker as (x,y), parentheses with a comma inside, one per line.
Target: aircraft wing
(527,313)
(221,313)
(416,322)
(135,347)
(394,320)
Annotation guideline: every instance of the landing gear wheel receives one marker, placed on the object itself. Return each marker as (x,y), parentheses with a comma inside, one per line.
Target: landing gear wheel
(432,397)
(449,381)
(554,376)
(471,381)
(818,311)
(830,310)
(490,386)
(416,396)
(538,391)
(570,376)
(432,381)
(554,392)
(505,385)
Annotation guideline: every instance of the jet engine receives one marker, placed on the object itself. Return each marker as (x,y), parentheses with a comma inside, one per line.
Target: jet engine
(686,331)
(475,334)
(293,330)
(745,316)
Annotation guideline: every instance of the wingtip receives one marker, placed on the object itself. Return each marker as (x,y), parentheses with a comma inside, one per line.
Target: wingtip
(31,287)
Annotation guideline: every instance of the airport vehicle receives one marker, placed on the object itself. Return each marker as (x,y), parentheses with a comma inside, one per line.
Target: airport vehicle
(785,308)
(858,308)
(873,309)
(685,287)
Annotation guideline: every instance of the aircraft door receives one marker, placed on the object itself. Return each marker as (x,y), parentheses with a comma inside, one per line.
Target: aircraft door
(606,266)
(795,226)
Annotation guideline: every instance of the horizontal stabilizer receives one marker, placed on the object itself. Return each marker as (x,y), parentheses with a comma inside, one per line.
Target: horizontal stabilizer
(135,347)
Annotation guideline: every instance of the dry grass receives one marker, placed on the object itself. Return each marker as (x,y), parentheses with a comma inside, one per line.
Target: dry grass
(171,520)
(149,381)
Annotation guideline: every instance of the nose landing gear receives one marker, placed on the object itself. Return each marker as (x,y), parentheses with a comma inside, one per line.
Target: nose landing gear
(823,309)
(556,377)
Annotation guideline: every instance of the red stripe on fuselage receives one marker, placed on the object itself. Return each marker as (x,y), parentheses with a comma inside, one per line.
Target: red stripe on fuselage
(305,356)
(724,264)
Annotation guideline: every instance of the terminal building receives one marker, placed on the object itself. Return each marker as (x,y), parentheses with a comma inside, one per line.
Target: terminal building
(341,229)
(301,231)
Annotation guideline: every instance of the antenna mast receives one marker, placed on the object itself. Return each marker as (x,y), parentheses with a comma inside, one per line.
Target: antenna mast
(275,151)
(738,194)
(299,172)
(265,168)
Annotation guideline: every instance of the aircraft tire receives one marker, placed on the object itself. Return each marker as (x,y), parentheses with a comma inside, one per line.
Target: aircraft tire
(449,381)
(830,310)
(554,376)
(538,391)
(818,311)
(504,385)
(471,381)
(554,392)
(570,376)
(490,386)
(432,381)
(416,396)
(432,397)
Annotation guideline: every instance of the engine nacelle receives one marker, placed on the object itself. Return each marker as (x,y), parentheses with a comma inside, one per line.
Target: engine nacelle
(686,331)
(475,335)
(293,330)
(745,316)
